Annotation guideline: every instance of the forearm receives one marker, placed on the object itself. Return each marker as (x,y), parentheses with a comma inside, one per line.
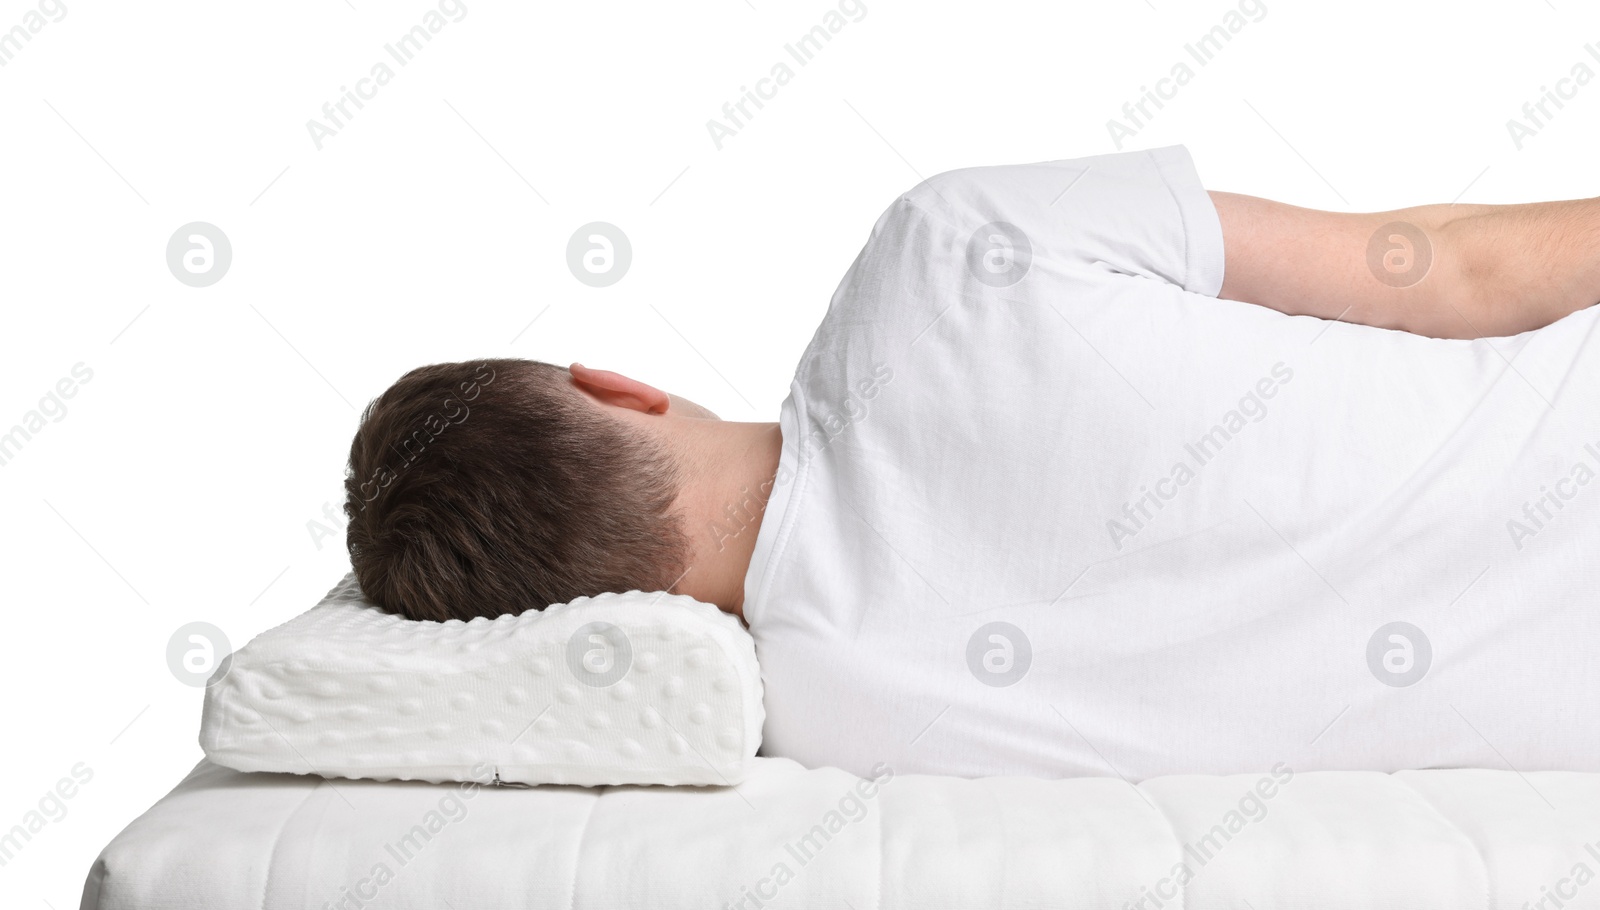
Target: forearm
(1449,271)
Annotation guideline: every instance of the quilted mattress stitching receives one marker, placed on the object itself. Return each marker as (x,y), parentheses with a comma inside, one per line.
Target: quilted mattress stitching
(577,855)
(277,839)
(1172,829)
(1477,849)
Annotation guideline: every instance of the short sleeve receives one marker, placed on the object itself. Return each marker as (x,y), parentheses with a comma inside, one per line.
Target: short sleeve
(1139,213)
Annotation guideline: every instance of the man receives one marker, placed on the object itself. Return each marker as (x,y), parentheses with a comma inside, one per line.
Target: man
(1056,492)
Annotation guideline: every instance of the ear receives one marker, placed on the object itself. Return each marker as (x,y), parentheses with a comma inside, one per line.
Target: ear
(619,391)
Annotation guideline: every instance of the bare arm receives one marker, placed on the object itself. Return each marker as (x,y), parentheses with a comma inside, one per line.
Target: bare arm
(1447,271)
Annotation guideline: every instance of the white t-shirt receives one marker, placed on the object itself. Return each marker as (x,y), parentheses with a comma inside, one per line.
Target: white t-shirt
(1047,507)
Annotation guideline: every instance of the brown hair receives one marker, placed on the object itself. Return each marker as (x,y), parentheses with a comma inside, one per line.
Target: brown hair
(490,487)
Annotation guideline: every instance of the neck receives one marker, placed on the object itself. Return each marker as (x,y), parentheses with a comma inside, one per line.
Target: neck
(729,470)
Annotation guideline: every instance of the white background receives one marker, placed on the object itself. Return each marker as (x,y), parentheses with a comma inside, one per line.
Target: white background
(180,482)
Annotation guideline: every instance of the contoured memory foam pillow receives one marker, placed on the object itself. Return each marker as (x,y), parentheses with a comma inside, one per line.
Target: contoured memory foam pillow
(635,688)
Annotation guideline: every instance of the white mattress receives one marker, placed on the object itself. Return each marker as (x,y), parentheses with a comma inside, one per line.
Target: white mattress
(1454,839)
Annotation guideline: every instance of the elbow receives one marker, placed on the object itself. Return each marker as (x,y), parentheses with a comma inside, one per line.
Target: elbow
(1464,294)
(1489,287)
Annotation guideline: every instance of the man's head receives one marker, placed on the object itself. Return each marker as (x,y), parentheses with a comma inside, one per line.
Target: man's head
(490,487)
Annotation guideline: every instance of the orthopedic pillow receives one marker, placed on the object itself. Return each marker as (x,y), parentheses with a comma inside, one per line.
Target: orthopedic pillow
(635,688)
